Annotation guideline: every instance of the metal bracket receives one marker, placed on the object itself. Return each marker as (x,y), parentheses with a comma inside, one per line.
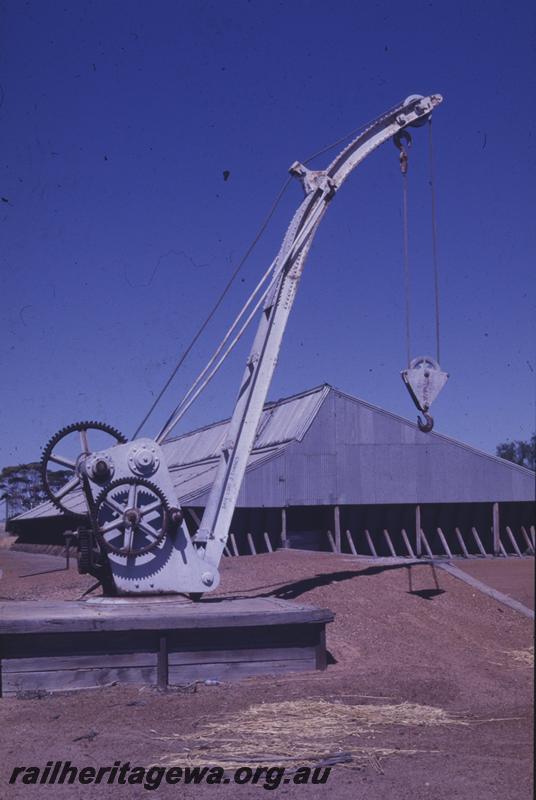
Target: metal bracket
(311,180)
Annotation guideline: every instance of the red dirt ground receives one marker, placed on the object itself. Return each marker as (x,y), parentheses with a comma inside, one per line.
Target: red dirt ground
(456,650)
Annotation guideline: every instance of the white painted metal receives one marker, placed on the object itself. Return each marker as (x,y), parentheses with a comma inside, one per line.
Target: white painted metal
(319,187)
(424,380)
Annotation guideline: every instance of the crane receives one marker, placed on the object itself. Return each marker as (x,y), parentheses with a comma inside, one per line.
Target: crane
(137,541)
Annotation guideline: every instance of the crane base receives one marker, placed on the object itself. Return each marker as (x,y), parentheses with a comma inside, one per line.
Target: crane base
(164,642)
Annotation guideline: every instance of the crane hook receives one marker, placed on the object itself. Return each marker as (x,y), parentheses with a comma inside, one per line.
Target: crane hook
(402,141)
(427,426)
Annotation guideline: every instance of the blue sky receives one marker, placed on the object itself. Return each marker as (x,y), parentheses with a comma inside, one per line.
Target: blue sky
(119,231)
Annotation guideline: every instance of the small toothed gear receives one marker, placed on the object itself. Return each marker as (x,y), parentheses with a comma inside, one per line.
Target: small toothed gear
(75,482)
(121,510)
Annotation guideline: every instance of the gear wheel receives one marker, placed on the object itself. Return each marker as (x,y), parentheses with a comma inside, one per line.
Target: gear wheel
(73,483)
(120,510)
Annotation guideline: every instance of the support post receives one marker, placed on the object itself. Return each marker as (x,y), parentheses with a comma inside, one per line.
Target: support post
(284,541)
(533,536)
(411,554)
(446,548)
(351,544)
(426,545)
(418,540)
(529,544)
(233,542)
(372,549)
(251,544)
(462,543)
(389,542)
(162,667)
(268,542)
(479,543)
(331,542)
(337,515)
(513,541)
(496,529)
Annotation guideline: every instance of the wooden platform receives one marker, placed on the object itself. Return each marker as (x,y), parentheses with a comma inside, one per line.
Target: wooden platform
(56,646)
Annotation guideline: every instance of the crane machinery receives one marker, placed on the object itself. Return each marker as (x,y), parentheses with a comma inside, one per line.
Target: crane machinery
(137,541)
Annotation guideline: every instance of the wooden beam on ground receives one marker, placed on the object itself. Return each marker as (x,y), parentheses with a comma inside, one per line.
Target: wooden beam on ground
(462,543)
(530,548)
(478,542)
(426,545)
(483,587)
(251,544)
(444,542)
(405,537)
(512,539)
(337,519)
(372,549)
(418,542)
(389,542)
(332,541)
(233,542)
(496,529)
(268,542)
(351,544)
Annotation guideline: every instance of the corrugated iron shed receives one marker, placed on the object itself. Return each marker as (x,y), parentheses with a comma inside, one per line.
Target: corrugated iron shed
(324,447)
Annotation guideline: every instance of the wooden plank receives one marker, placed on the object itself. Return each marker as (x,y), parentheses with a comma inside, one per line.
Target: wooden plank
(251,544)
(241,654)
(236,671)
(372,549)
(478,542)
(444,542)
(162,663)
(32,617)
(462,542)
(483,587)
(513,541)
(409,548)
(496,529)
(321,661)
(351,544)
(233,542)
(424,540)
(92,661)
(389,542)
(61,680)
(332,541)
(418,541)
(337,520)
(268,542)
(530,548)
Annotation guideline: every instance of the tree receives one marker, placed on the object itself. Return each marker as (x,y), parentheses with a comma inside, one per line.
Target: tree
(520,452)
(24,487)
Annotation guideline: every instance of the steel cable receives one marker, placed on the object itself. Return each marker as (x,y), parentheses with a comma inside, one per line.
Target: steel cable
(434,235)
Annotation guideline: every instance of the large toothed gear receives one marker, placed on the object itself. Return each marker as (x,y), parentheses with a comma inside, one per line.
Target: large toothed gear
(73,482)
(132,516)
